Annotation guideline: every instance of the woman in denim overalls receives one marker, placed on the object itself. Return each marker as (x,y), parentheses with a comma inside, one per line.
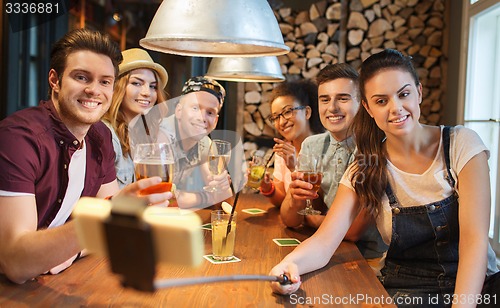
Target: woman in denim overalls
(411,188)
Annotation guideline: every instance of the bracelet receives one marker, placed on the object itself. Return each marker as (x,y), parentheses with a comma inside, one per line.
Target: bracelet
(268,193)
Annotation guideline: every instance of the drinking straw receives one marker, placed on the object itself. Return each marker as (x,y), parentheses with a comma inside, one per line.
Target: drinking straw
(146,128)
(268,161)
(224,240)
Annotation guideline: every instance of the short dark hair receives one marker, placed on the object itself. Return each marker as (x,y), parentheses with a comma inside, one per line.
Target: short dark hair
(336,71)
(306,94)
(83,39)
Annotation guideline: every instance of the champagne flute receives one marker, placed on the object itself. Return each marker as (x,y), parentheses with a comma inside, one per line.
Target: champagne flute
(154,159)
(218,160)
(311,166)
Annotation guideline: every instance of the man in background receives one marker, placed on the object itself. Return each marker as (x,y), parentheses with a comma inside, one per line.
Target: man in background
(190,129)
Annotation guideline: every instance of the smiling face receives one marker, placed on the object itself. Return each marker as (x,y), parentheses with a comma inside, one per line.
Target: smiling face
(338,103)
(83,93)
(393,101)
(140,93)
(197,115)
(297,124)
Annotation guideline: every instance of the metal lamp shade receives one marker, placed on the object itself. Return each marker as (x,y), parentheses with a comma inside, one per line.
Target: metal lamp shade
(216,28)
(256,69)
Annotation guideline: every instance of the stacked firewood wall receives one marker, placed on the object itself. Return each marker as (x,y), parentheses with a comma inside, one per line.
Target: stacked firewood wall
(316,39)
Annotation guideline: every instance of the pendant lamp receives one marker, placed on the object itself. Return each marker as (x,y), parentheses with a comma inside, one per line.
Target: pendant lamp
(256,69)
(215,28)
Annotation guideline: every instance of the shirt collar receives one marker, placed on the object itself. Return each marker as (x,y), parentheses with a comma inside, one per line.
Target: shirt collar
(61,132)
(349,142)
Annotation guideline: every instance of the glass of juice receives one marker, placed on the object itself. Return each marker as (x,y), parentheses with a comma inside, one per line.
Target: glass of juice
(222,240)
(257,170)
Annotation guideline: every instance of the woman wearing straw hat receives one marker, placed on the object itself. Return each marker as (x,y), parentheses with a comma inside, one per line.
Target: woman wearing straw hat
(139,86)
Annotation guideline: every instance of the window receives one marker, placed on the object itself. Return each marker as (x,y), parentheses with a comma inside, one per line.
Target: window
(28,52)
(482,94)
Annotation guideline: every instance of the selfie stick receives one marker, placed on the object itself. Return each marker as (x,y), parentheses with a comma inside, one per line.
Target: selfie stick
(168,283)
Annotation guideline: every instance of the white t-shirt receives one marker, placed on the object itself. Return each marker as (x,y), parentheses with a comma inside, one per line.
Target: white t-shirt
(430,186)
(281,171)
(76,174)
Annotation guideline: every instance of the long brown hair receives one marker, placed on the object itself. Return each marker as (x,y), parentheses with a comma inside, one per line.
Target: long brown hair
(115,115)
(369,178)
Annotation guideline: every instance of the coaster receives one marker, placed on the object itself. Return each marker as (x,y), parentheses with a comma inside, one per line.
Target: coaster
(286,241)
(211,259)
(253,211)
(207,226)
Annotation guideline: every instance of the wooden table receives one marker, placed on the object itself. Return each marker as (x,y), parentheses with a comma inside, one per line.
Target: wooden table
(347,281)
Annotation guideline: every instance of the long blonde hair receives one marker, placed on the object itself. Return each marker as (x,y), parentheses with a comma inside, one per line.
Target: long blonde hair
(115,115)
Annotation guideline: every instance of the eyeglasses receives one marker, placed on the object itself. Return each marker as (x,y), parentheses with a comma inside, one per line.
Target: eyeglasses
(287,114)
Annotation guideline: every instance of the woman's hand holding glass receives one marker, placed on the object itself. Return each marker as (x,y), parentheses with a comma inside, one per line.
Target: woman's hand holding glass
(256,170)
(267,182)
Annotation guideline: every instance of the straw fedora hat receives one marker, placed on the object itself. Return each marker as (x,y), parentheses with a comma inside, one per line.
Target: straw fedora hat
(136,58)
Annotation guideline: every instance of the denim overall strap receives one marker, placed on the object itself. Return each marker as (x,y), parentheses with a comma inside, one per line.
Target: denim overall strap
(423,253)
(449,178)
(446,147)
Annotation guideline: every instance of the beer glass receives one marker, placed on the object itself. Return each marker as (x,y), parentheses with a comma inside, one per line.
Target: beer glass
(311,166)
(154,159)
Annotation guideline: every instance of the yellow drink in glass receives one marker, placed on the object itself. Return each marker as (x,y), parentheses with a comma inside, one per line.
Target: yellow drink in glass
(255,177)
(222,247)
